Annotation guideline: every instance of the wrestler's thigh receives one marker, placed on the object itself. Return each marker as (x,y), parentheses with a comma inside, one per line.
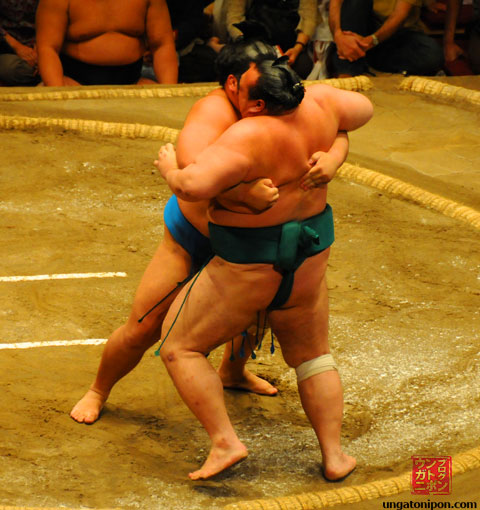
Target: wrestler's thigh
(169,265)
(223,302)
(301,326)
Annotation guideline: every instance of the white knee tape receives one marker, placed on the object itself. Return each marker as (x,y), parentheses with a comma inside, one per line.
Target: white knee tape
(315,366)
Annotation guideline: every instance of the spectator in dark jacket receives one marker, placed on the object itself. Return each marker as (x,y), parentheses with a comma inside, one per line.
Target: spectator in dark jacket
(18,54)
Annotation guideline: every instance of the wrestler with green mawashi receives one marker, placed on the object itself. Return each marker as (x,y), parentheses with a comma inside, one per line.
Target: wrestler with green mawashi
(281,126)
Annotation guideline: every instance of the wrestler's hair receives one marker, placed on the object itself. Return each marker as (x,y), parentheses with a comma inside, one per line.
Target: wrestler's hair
(278,85)
(235,58)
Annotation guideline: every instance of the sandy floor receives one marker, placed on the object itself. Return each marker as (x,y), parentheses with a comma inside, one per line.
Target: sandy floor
(405,320)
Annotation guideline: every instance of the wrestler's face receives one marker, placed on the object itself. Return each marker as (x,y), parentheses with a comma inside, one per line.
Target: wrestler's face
(246,106)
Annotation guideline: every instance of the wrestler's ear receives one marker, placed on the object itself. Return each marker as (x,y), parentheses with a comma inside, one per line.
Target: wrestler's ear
(232,83)
(257,107)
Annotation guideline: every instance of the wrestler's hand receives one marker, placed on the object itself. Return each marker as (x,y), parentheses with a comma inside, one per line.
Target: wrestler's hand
(261,194)
(250,197)
(167,160)
(322,171)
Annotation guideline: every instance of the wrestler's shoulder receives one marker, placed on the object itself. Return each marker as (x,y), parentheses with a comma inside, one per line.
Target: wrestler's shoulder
(322,95)
(214,101)
(319,90)
(253,128)
(217,95)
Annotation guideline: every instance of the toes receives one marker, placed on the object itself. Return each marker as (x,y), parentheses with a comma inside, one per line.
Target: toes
(82,416)
(77,417)
(90,418)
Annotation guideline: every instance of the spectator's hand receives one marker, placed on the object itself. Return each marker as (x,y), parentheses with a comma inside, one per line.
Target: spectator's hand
(365,42)
(167,159)
(350,46)
(28,54)
(322,171)
(215,44)
(451,51)
(293,53)
(436,7)
(260,194)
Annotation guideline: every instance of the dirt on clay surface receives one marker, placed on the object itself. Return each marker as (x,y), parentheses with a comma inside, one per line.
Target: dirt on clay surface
(404,327)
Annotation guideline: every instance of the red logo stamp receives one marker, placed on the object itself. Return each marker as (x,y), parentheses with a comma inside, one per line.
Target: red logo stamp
(431,475)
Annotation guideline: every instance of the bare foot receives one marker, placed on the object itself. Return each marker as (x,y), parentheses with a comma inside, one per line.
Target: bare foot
(87,409)
(248,382)
(220,458)
(338,469)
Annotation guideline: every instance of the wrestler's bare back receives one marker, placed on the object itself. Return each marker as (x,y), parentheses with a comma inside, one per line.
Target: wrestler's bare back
(288,140)
(106,32)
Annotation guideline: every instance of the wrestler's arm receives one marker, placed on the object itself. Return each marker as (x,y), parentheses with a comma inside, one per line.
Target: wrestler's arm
(219,167)
(160,42)
(325,164)
(352,109)
(209,118)
(51,27)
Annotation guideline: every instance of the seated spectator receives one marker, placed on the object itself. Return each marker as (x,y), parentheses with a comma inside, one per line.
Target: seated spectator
(288,24)
(451,50)
(18,55)
(384,34)
(219,22)
(196,60)
(321,42)
(103,43)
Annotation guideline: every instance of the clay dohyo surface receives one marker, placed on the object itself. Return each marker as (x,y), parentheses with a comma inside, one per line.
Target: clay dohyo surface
(404,302)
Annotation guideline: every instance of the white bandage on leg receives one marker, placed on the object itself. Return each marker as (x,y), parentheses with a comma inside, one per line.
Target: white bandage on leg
(315,366)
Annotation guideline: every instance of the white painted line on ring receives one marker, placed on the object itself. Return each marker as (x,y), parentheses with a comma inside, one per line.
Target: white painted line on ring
(61,276)
(53,343)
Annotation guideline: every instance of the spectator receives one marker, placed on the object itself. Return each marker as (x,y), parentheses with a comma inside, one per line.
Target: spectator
(219,23)
(18,55)
(384,34)
(288,24)
(321,42)
(451,50)
(103,43)
(192,34)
